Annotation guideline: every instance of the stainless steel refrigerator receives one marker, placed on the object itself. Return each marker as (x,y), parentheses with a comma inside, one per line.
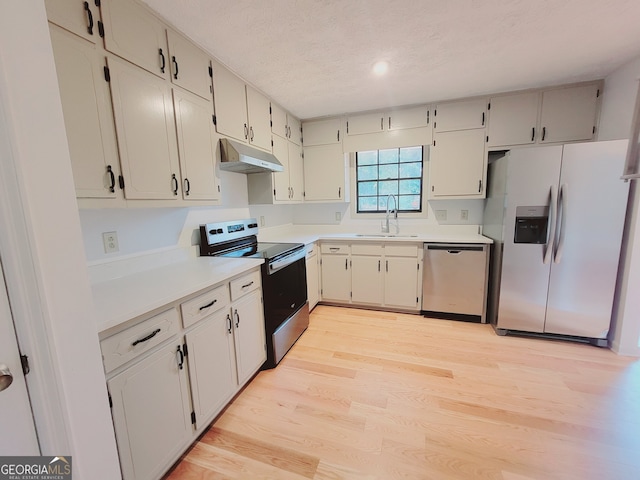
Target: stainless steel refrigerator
(556,215)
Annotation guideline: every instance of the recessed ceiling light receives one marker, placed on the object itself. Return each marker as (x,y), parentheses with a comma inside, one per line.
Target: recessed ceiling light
(380,68)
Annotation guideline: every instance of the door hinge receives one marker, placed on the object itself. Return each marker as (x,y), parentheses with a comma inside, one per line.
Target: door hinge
(214,119)
(270,112)
(24,360)
(347,127)
(107,75)
(185,351)
(597,93)
(489,106)
(110,400)
(121,182)
(193,418)
(100,29)
(210,71)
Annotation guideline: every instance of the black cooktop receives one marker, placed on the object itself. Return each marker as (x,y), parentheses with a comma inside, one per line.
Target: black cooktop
(265,250)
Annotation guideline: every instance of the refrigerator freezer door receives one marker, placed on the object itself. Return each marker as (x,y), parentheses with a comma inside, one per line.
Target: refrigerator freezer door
(593,205)
(533,174)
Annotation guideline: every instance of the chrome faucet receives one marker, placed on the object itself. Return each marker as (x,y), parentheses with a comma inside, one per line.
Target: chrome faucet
(386,227)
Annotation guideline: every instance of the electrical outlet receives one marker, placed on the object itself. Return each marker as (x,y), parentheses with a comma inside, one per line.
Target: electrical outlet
(262,222)
(110,241)
(441,215)
(338,216)
(464,215)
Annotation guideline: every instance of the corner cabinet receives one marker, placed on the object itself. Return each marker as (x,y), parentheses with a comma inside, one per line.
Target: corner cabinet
(326,171)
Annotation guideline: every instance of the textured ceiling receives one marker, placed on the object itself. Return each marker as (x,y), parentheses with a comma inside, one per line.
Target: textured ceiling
(314,57)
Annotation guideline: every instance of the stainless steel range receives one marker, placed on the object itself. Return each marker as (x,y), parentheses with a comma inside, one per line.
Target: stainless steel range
(284,279)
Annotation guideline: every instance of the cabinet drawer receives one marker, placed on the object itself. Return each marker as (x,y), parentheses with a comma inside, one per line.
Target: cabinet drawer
(401,250)
(366,249)
(245,284)
(204,305)
(335,248)
(132,342)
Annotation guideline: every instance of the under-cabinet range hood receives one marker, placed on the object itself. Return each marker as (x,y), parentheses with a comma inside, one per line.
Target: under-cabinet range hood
(240,158)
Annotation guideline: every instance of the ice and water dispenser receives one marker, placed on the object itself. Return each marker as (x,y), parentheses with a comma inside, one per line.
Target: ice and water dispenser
(531,224)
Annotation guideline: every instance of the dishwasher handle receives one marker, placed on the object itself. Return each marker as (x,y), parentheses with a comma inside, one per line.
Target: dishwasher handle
(455,249)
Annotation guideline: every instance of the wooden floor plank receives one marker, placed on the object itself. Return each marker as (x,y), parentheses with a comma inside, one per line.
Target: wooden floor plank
(369,395)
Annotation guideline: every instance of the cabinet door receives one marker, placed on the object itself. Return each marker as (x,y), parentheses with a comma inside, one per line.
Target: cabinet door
(313,284)
(322,132)
(88,117)
(569,114)
(77,16)
(146,132)
(457,164)
(132,32)
(296,172)
(279,125)
(197,143)
(295,134)
(151,414)
(248,328)
(366,279)
(281,179)
(211,366)
(365,123)
(401,282)
(324,173)
(408,118)
(259,119)
(336,278)
(513,119)
(460,115)
(189,65)
(230,100)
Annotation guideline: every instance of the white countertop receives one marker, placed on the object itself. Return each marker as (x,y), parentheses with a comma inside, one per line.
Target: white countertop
(125,298)
(309,234)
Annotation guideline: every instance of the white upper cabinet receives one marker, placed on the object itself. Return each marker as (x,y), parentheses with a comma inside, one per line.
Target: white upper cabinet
(285,125)
(88,117)
(242,112)
(365,123)
(457,164)
(189,65)
(296,172)
(322,132)
(146,130)
(513,119)
(462,115)
(134,33)
(197,145)
(325,173)
(569,114)
(258,107)
(77,16)
(413,117)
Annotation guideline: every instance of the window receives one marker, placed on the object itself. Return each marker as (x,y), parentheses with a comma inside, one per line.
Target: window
(393,171)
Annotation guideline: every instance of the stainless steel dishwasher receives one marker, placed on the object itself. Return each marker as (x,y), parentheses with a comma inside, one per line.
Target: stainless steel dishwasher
(454,281)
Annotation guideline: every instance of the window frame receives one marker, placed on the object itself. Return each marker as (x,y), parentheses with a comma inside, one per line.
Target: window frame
(422,178)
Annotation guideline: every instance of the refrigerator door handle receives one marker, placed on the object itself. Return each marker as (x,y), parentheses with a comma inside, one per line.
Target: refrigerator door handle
(562,214)
(553,204)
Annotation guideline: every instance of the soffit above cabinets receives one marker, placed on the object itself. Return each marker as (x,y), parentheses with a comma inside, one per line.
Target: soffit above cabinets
(315,58)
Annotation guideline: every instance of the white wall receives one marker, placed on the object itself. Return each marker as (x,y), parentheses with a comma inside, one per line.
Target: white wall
(43,193)
(618,102)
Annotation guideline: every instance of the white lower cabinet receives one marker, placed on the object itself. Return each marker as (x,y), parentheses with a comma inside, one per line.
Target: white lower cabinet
(151,413)
(168,383)
(383,275)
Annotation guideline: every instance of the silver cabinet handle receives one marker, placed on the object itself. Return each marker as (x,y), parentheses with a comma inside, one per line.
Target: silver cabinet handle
(6,378)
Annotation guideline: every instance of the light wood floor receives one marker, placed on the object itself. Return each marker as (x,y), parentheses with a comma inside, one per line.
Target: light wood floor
(376,395)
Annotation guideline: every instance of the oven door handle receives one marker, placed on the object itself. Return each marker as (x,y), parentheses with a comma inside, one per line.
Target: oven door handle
(286,261)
